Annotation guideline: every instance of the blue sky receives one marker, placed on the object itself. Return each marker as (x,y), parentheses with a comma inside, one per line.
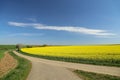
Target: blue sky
(61,22)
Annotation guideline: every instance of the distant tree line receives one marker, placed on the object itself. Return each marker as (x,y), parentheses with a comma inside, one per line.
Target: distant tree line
(19,46)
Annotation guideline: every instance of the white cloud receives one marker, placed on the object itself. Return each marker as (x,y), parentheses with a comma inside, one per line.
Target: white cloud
(78,30)
(83,30)
(17,24)
(23,24)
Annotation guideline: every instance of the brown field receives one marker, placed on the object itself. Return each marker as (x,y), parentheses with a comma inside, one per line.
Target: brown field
(6,64)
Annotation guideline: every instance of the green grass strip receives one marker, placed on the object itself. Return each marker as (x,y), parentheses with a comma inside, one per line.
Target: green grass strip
(21,71)
(1,53)
(95,76)
(6,47)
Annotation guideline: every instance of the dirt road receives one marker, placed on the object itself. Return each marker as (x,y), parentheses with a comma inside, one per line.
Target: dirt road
(63,65)
(43,71)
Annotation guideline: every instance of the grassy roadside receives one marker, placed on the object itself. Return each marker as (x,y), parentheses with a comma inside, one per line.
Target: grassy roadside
(95,76)
(78,60)
(1,53)
(21,71)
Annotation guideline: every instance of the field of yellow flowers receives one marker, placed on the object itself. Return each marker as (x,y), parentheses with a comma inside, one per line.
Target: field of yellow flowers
(109,53)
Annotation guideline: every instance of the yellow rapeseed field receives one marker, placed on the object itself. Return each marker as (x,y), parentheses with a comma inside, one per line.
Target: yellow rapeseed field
(98,52)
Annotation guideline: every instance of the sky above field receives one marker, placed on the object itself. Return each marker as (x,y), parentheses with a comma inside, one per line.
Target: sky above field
(61,22)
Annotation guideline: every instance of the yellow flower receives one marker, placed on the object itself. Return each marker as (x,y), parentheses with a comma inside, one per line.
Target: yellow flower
(102,52)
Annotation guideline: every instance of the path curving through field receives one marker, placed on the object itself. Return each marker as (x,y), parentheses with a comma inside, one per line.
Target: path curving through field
(43,71)
(51,68)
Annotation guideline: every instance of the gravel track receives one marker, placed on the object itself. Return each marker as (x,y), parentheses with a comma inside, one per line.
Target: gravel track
(43,71)
(51,68)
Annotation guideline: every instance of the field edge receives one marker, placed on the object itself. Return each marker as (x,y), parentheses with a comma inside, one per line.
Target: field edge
(20,72)
(74,60)
(94,76)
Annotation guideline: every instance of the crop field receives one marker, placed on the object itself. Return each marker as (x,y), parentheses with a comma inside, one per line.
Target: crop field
(3,48)
(88,54)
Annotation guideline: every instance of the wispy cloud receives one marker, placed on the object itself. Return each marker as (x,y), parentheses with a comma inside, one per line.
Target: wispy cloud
(83,30)
(32,19)
(25,34)
(24,24)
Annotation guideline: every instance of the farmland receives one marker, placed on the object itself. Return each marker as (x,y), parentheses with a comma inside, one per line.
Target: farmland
(96,54)
(12,67)
(6,47)
(3,48)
